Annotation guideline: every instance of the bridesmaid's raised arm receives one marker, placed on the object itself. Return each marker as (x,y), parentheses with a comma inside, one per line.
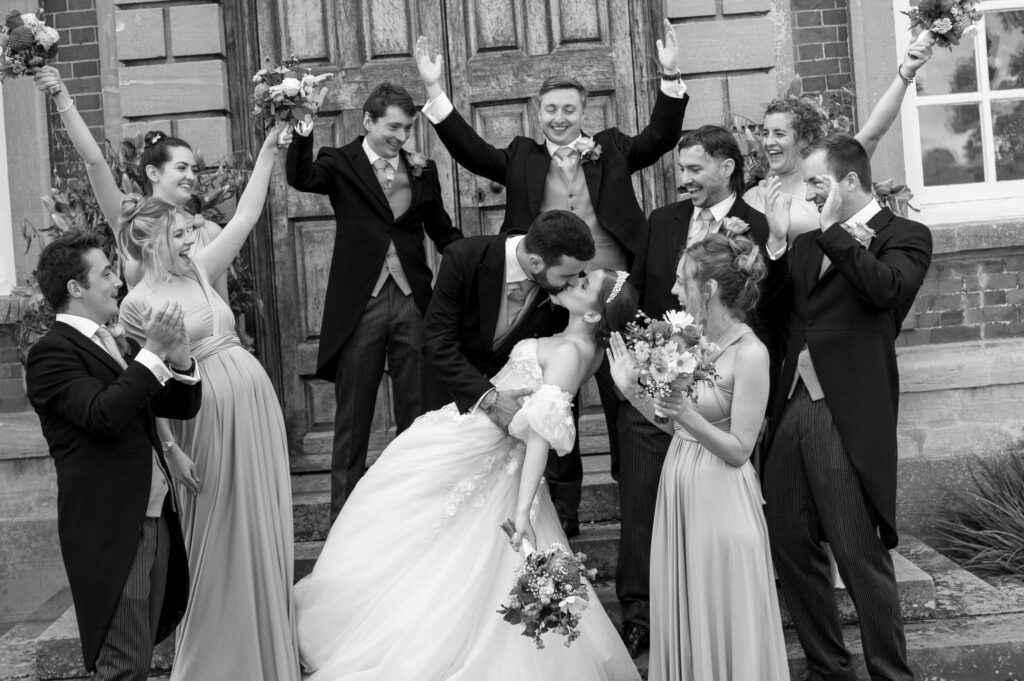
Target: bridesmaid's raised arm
(221,252)
(108,194)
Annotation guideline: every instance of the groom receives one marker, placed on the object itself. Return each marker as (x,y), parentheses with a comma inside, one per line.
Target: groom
(830,472)
(117,517)
(491,292)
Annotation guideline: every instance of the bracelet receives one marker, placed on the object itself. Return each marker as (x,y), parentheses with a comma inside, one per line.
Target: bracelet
(675,77)
(69,107)
(899,72)
(167,445)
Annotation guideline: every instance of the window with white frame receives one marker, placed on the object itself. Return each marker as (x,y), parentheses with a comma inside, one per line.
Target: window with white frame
(963,125)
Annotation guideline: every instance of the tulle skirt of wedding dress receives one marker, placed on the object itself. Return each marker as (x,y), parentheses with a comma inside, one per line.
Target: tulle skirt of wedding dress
(415,568)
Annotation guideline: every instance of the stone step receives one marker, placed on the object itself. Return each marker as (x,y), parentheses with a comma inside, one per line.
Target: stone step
(17,644)
(600,542)
(311,498)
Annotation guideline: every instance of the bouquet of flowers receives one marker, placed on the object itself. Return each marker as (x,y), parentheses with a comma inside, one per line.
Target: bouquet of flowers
(282,93)
(670,355)
(550,591)
(946,20)
(26,43)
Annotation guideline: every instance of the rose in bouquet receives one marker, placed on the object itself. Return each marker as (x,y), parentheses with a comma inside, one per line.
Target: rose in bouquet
(670,355)
(550,591)
(282,92)
(26,43)
(945,20)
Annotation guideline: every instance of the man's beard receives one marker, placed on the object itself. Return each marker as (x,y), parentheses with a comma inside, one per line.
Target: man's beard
(541,279)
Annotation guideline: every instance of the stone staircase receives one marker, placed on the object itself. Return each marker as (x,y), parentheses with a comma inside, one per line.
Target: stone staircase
(959,627)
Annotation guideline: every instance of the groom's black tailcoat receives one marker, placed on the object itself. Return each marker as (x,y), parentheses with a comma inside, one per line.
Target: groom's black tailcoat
(463,314)
(849,319)
(99,425)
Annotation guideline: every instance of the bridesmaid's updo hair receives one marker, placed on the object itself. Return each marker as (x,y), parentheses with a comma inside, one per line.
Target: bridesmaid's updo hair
(144,221)
(808,122)
(620,311)
(735,262)
(156,151)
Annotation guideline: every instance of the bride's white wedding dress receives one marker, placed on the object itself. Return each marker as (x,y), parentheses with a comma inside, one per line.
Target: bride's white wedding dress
(415,567)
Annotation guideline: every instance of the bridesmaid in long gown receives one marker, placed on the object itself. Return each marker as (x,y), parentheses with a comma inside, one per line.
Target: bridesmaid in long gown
(714,608)
(238,528)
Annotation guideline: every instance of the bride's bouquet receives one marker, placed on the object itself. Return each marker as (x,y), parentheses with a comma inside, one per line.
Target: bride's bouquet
(26,43)
(669,354)
(550,591)
(946,20)
(282,93)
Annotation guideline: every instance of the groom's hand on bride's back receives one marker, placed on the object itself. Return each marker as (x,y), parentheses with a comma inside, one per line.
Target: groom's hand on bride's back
(506,406)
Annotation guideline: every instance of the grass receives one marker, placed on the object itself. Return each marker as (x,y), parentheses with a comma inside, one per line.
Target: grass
(983,528)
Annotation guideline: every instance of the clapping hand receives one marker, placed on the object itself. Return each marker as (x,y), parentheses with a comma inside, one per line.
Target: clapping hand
(918,54)
(164,328)
(668,51)
(776,211)
(620,364)
(429,66)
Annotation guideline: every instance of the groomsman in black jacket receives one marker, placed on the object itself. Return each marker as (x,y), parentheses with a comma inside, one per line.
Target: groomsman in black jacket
(384,199)
(117,518)
(589,176)
(842,292)
(712,172)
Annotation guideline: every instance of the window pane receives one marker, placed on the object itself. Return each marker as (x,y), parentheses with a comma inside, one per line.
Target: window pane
(1005,39)
(1008,129)
(951,144)
(949,72)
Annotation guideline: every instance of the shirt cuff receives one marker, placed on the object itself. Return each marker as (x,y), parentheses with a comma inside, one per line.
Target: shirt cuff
(476,407)
(437,109)
(777,254)
(186,378)
(155,366)
(671,88)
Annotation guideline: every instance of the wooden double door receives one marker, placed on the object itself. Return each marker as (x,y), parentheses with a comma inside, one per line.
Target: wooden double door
(497,53)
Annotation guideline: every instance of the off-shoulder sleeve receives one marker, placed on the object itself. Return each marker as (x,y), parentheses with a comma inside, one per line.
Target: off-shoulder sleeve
(547,412)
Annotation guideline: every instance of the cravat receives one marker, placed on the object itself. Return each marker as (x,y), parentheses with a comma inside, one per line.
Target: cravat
(385,174)
(567,159)
(517,294)
(110,346)
(705,222)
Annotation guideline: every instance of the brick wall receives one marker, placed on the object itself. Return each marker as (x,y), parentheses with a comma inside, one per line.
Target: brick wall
(78,60)
(821,42)
(977,295)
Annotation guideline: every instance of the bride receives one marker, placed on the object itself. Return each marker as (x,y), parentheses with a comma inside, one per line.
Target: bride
(415,568)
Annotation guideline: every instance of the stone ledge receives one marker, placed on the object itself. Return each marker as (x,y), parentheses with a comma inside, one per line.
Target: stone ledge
(23,438)
(978,236)
(970,364)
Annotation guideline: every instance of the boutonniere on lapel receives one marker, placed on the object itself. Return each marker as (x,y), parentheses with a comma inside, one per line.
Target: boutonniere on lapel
(416,162)
(733,226)
(120,338)
(861,232)
(588,151)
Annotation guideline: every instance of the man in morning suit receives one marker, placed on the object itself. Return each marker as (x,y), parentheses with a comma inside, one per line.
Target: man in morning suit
(384,199)
(117,517)
(711,165)
(589,176)
(830,472)
(491,292)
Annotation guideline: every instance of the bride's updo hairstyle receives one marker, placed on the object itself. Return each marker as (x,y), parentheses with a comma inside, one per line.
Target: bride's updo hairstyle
(156,151)
(144,222)
(735,263)
(617,304)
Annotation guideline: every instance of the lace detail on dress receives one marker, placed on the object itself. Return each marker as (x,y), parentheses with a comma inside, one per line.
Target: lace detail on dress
(547,412)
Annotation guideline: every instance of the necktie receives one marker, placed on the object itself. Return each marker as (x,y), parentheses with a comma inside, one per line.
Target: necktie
(703,227)
(567,159)
(110,346)
(385,174)
(518,291)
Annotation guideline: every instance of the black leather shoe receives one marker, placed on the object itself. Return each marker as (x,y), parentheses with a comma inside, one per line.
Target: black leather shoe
(636,638)
(571,529)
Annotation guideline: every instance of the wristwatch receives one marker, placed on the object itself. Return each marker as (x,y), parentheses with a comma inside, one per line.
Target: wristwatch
(672,77)
(186,371)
